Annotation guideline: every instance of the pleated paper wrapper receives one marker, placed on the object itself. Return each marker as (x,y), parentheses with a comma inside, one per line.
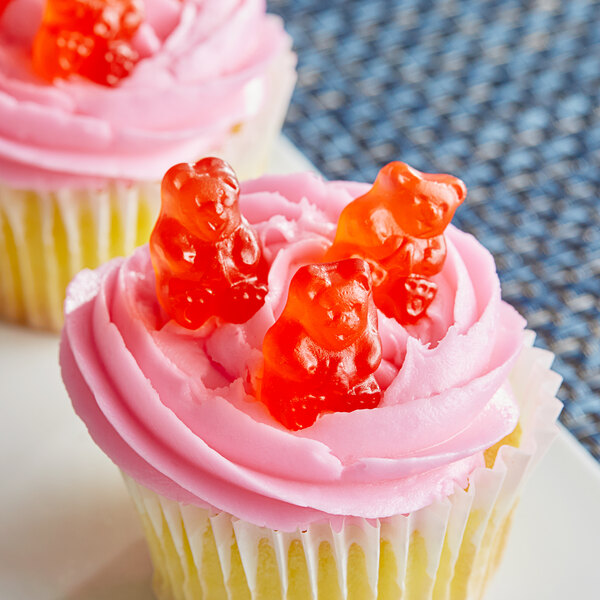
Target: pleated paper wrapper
(48,237)
(447,550)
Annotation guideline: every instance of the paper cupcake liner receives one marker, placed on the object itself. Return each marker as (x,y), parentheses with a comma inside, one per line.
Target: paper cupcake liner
(46,238)
(446,551)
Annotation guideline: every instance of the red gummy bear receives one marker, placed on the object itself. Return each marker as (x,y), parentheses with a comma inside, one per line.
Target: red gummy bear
(398,226)
(320,355)
(90,38)
(3,5)
(207,258)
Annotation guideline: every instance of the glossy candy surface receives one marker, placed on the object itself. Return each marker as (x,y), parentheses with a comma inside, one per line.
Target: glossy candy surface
(397,226)
(3,5)
(207,259)
(320,355)
(90,38)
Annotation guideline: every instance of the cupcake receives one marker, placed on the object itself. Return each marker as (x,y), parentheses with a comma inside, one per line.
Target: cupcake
(360,426)
(88,119)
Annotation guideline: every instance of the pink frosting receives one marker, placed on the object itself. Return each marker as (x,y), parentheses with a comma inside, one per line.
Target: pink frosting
(176,410)
(204,69)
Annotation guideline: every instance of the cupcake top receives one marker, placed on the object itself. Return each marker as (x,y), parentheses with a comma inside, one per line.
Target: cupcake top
(203,70)
(177,408)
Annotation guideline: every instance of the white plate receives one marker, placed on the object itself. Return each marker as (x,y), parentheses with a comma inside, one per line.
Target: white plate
(68,531)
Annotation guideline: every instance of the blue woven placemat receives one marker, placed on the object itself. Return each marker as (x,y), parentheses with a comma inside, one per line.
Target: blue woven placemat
(504,94)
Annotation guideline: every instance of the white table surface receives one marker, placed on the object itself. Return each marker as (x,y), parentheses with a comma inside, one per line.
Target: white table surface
(69,532)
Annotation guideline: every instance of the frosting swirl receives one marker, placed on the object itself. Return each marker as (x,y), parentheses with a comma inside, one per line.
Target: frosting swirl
(204,69)
(175,408)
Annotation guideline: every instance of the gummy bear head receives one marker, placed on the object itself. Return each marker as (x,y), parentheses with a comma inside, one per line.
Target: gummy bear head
(203,198)
(422,204)
(332,301)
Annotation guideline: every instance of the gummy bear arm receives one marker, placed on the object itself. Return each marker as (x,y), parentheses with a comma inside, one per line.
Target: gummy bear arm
(290,352)
(368,356)
(180,250)
(416,256)
(431,256)
(404,258)
(308,356)
(245,249)
(344,369)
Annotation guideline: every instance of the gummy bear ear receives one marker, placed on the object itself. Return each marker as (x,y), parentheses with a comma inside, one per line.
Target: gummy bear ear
(460,188)
(175,178)
(309,280)
(355,269)
(457,191)
(399,172)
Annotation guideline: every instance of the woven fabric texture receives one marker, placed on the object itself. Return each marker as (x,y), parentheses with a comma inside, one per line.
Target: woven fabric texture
(503,93)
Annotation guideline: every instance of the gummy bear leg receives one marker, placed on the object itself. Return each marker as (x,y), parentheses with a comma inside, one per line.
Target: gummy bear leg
(191,304)
(241,301)
(405,299)
(298,411)
(366,394)
(415,294)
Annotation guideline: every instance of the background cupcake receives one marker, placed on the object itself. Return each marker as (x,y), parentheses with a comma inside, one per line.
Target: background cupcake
(78,159)
(412,497)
